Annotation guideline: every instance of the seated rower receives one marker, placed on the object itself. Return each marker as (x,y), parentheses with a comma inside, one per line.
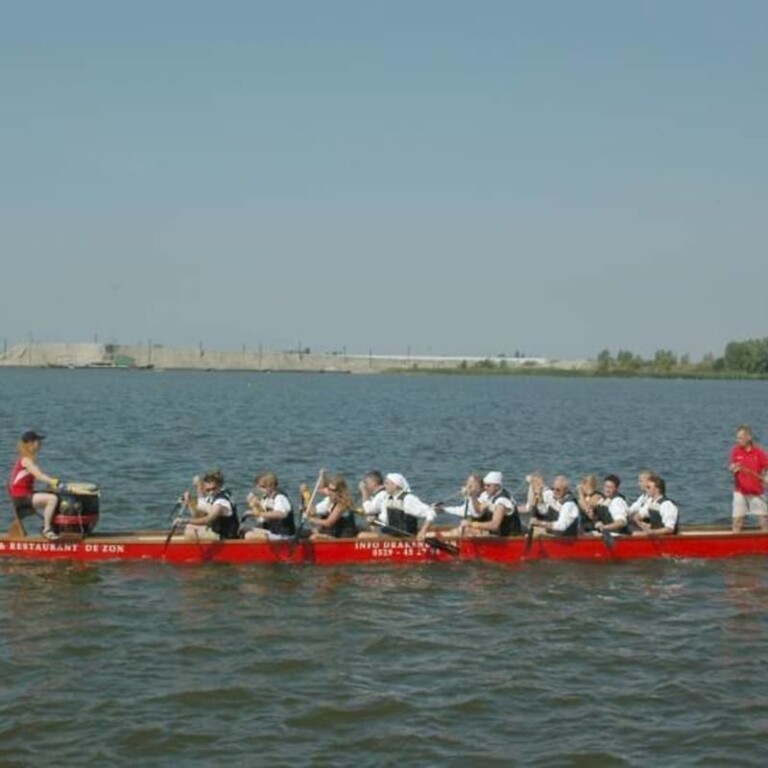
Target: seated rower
(494,513)
(372,493)
(271,509)
(610,513)
(589,498)
(660,516)
(21,484)
(555,510)
(334,516)
(401,512)
(470,508)
(213,514)
(642,484)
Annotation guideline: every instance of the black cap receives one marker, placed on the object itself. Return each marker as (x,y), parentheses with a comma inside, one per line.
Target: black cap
(31,436)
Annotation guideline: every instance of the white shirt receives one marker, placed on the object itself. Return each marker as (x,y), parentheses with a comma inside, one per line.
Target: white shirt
(323,507)
(374,504)
(641,501)
(567,511)
(462,510)
(277,503)
(618,509)
(667,509)
(207,503)
(410,504)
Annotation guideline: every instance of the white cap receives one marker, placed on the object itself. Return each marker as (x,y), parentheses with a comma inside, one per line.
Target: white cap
(398,480)
(494,478)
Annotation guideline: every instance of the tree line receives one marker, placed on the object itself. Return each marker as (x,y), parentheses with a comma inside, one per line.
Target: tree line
(740,358)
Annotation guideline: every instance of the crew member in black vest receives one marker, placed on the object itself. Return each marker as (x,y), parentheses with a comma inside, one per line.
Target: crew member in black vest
(660,516)
(213,514)
(271,509)
(401,512)
(334,516)
(555,510)
(495,512)
(607,511)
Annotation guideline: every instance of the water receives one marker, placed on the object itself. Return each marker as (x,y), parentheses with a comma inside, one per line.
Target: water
(593,664)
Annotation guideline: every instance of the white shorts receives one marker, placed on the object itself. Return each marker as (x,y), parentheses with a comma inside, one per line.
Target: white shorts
(744,504)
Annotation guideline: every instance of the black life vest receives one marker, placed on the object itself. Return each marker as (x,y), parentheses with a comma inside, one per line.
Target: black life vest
(397,518)
(654,514)
(553,514)
(510,523)
(226,527)
(283,526)
(345,527)
(603,513)
(599,511)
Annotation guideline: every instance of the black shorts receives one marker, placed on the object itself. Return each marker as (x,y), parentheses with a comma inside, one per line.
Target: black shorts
(23,505)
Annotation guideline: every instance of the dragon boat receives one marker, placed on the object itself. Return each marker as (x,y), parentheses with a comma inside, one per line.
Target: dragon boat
(78,513)
(156,545)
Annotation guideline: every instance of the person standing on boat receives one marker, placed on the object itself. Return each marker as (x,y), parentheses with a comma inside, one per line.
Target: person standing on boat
(660,516)
(334,516)
(494,512)
(748,463)
(271,508)
(555,509)
(213,514)
(610,512)
(21,484)
(401,512)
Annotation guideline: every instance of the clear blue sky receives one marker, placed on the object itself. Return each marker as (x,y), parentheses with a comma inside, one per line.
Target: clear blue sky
(457,177)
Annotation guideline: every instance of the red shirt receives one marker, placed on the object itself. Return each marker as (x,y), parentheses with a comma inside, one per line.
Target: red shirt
(753,459)
(21,482)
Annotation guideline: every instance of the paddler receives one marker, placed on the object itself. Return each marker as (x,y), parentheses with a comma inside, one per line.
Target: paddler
(271,509)
(401,512)
(748,464)
(607,511)
(372,493)
(334,516)
(21,484)
(213,514)
(660,516)
(554,510)
(492,511)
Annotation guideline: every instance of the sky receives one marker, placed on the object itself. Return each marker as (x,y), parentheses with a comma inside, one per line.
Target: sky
(549,177)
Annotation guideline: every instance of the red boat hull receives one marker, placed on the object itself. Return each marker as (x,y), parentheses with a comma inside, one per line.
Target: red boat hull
(151,545)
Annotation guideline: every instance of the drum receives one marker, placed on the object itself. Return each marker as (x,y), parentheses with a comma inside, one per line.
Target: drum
(78,509)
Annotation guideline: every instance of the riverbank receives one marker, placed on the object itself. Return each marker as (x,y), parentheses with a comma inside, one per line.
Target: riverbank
(158,357)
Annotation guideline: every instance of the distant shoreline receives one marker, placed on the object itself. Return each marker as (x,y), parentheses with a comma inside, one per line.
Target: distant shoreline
(155,357)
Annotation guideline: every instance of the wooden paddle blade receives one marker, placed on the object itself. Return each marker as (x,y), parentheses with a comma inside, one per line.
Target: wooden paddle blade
(608,540)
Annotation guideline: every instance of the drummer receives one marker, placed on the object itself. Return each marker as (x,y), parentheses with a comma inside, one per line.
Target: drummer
(21,484)
(213,514)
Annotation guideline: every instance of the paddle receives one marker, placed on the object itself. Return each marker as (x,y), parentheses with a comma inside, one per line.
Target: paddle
(607,538)
(168,538)
(528,538)
(308,506)
(430,541)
